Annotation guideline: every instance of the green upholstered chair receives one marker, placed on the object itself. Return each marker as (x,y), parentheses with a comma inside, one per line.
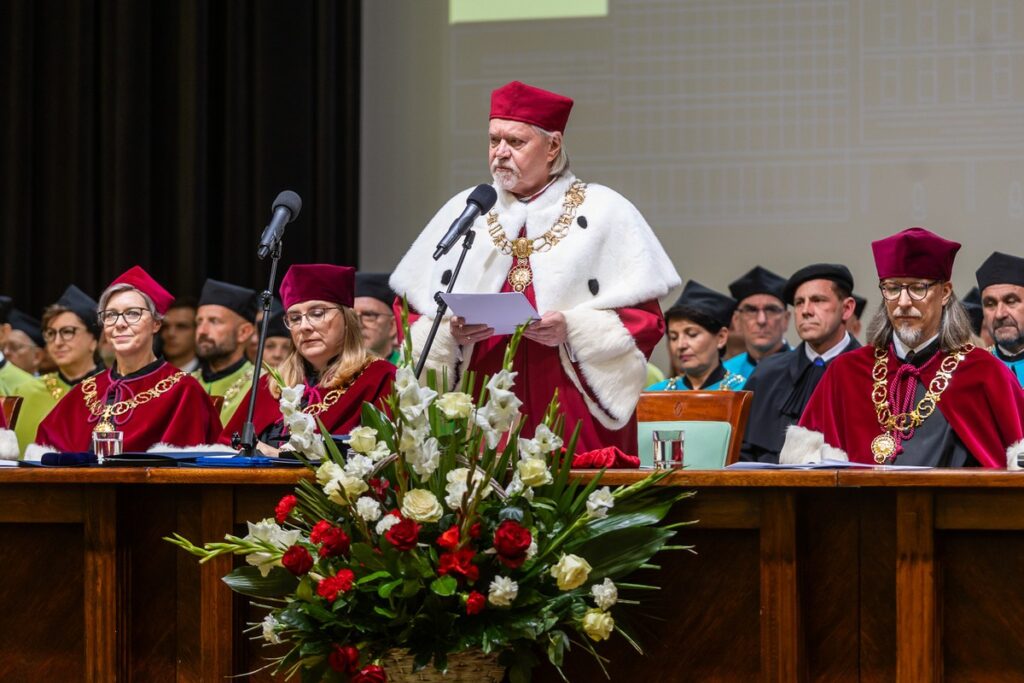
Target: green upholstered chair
(713,423)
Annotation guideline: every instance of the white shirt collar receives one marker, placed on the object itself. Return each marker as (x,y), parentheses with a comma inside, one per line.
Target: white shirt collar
(902,350)
(831,353)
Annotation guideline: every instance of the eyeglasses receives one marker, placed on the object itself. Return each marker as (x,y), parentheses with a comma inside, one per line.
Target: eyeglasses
(370,317)
(917,290)
(316,317)
(13,348)
(769,311)
(66,333)
(131,316)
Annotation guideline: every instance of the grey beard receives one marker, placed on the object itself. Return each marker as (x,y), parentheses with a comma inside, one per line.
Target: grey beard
(908,336)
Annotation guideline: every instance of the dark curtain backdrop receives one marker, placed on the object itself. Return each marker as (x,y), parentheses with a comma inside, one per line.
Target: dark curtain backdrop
(159,132)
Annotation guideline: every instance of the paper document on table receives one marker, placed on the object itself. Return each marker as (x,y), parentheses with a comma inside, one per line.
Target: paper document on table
(822,465)
(504,312)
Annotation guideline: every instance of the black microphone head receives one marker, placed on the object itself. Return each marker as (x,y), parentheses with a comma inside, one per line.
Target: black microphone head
(290,201)
(483,196)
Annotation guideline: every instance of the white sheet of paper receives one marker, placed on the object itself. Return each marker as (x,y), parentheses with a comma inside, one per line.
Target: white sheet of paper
(504,311)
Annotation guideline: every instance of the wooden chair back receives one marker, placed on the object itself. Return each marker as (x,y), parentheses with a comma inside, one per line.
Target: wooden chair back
(11,406)
(714,406)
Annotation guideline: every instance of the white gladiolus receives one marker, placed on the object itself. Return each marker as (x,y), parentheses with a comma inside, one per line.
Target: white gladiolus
(425,461)
(502,381)
(457,486)
(599,502)
(528,448)
(270,625)
(368,509)
(293,395)
(502,591)
(300,423)
(605,594)
(547,441)
(268,531)
(379,452)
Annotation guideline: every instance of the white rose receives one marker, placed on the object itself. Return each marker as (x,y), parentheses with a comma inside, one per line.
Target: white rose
(270,630)
(605,594)
(456,404)
(422,506)
(385,523)
(358,466)
(546,440)
(534,472)
(571,572)
(362,439)
(368,509)
(502,591)
(598,624)
(599,502)
(352,487)
(327,471)
(528,448)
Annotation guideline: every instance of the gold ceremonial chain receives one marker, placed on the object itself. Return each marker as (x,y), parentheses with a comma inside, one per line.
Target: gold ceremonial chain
(883,446)
(522,248)
(334,394)
(238,385)
(53,385)
(96,407)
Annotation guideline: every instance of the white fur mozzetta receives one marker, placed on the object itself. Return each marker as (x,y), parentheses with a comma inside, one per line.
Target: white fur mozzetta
(9,445)
(34,451)
(199,448)
(1013,454)
(617,250)
(805,446)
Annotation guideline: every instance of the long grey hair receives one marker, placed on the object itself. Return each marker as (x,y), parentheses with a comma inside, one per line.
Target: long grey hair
(954,328)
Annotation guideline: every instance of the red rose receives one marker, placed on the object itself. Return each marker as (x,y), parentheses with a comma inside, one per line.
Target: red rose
(475,603)
(403,535)
(459,562)
(344,659)
(330,586)
(511,541)
(333,540)
(316,534)
(474,531)
(449,540)
(370,674)
(297,560)
(284,508)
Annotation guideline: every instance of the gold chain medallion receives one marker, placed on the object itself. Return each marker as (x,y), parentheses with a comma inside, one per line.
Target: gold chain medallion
(106,412)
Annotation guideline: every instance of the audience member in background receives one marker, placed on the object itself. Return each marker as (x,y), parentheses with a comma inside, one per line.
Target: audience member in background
(972,304)
(853,325)
(35,401)
(762,318)
(151,402)
(698,326)
(736,345)
(783,384)
(373,302)
(24,345)
(1001,281)
(178,335)
(279,339)
(888,401)
(72,332)
(336,373)
(225,322)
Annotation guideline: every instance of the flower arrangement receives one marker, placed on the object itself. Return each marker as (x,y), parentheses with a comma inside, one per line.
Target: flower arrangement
(443,530)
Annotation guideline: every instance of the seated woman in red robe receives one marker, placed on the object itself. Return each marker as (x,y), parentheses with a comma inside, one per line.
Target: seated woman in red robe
(150,401)
(329,361)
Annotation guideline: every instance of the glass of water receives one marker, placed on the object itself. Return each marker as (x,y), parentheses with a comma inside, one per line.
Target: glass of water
(107,445)
(668,449)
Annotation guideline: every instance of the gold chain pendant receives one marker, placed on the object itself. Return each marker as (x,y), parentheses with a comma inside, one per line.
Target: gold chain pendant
(520,276)
(882,447)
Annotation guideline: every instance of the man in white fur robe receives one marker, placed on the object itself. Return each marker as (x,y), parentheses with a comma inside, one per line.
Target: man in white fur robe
(581,253)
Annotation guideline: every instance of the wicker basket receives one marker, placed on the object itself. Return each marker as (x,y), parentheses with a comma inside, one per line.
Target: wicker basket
(471,666)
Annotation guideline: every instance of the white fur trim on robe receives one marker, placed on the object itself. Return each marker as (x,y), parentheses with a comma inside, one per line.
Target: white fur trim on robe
(1013,455)
(198,448)
(34,451)
(805,446)
(617,251)
(9,445)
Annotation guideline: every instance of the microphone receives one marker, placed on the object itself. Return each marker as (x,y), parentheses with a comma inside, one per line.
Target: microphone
(479,201)
(286,209)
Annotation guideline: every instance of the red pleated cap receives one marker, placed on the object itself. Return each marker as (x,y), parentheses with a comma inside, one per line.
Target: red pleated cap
(138,278)
(318,282)
(520,102)
(915,252)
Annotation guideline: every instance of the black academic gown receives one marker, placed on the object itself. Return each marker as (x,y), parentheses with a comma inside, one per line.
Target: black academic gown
(782,386)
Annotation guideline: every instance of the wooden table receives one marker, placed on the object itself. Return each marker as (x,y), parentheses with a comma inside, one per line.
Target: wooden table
(821,575)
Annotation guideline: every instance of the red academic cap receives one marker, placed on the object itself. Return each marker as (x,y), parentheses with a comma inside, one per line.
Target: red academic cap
(144,282)
(520,102)
(318,281)
(915,252)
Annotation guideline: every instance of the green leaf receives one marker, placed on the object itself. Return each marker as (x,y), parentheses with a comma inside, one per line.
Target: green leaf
(373,577)
(384,612)
(558,641)
(386,589)
(618,553)
(364,554)
(248,581)
(444,586)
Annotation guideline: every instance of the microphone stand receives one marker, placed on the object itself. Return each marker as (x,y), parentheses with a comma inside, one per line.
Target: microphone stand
(247,441)
(442,307)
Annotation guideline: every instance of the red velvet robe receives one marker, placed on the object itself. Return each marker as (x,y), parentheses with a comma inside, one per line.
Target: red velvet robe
(182,416)
(984,405)
(373,384)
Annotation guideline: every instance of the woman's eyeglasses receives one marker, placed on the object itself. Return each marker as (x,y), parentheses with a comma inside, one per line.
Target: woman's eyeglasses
(65,333)
(315,316)
(131,316)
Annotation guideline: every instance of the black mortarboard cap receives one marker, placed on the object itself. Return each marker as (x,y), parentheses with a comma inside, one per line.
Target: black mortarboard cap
(277,327)
(1000,269)
(82,305)
(375,285)
(758,281)
(241,300)
(972,304)
(6,304)
(835,272)
(28,325)
(861,303)
(706,301)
